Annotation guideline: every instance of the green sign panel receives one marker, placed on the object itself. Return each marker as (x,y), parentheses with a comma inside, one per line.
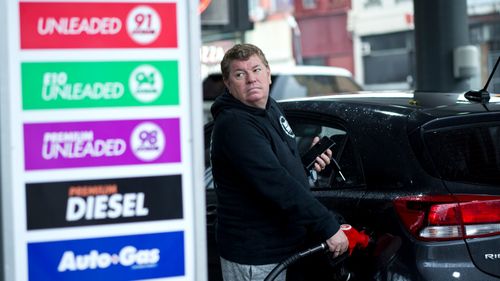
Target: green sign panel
(99,84)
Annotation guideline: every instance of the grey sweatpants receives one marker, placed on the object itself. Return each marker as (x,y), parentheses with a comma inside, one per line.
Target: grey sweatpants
(232,271)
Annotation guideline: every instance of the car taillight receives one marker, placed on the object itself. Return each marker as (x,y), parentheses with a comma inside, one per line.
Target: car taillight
(447,217)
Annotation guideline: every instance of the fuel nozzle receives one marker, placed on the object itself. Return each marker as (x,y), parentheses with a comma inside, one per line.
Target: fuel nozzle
(357,239)
(383,247)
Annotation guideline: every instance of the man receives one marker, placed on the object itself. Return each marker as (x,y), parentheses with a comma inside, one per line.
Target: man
(265,209)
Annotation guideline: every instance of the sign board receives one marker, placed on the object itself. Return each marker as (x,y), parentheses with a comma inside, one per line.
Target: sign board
(101,140)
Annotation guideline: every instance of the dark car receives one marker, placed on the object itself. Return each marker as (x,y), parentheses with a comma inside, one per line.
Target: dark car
(424,167)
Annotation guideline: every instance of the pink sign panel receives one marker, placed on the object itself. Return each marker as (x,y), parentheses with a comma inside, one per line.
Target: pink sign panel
(47,25)
(101,143)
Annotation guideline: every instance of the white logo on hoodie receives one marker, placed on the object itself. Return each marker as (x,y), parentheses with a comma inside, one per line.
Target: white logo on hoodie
(286,127)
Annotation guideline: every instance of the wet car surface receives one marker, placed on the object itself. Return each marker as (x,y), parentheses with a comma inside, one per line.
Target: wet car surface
(424,167)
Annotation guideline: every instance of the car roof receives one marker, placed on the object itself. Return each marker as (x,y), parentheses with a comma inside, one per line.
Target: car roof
(410,99)
(404,104)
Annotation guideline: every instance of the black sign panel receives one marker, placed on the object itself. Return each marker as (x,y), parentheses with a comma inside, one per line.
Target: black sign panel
(94,202)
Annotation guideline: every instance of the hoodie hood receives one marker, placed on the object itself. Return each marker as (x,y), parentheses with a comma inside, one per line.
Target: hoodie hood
(227,101)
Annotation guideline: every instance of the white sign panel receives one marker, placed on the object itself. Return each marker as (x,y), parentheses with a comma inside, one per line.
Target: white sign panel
(101,141)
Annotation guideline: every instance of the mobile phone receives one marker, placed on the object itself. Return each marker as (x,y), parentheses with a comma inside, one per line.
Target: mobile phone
(309,157)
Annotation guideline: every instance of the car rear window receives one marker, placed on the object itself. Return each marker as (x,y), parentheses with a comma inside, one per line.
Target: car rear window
(466,154)
(299,86)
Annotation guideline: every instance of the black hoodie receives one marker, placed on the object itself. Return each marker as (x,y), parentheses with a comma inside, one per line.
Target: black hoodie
(265,209)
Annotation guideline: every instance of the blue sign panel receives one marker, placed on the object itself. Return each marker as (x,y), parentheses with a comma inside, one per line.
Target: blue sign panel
(111,258)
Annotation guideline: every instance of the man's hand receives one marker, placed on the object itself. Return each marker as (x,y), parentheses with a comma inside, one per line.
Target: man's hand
(323,160)
(338,243)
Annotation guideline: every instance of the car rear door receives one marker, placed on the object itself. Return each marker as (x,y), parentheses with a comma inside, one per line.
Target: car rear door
(465,153)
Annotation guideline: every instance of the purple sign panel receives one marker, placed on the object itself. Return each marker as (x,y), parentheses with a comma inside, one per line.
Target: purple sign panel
(101,143)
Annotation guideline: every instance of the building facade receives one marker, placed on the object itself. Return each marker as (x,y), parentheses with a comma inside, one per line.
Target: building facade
(384,47)
(325,39)
(374,39)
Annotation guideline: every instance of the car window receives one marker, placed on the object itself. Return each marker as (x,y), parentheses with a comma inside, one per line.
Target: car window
(299,86)
(286,86)
(350,174)
(346,84)
(466,153)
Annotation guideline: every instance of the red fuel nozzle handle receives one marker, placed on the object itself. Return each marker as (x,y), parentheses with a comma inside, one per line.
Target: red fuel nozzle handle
(357,239)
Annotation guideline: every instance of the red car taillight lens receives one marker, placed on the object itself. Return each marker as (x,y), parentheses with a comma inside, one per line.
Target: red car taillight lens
(442,217)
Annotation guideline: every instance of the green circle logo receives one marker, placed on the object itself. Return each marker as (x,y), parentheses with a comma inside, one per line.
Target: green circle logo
(146,83)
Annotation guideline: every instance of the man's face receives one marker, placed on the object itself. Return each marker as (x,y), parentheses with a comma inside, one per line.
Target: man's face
(249,81)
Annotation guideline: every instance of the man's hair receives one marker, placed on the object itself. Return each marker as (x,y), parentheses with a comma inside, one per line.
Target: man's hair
(240,52)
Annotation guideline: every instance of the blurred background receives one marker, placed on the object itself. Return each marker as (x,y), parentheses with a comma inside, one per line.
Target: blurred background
(441,45)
